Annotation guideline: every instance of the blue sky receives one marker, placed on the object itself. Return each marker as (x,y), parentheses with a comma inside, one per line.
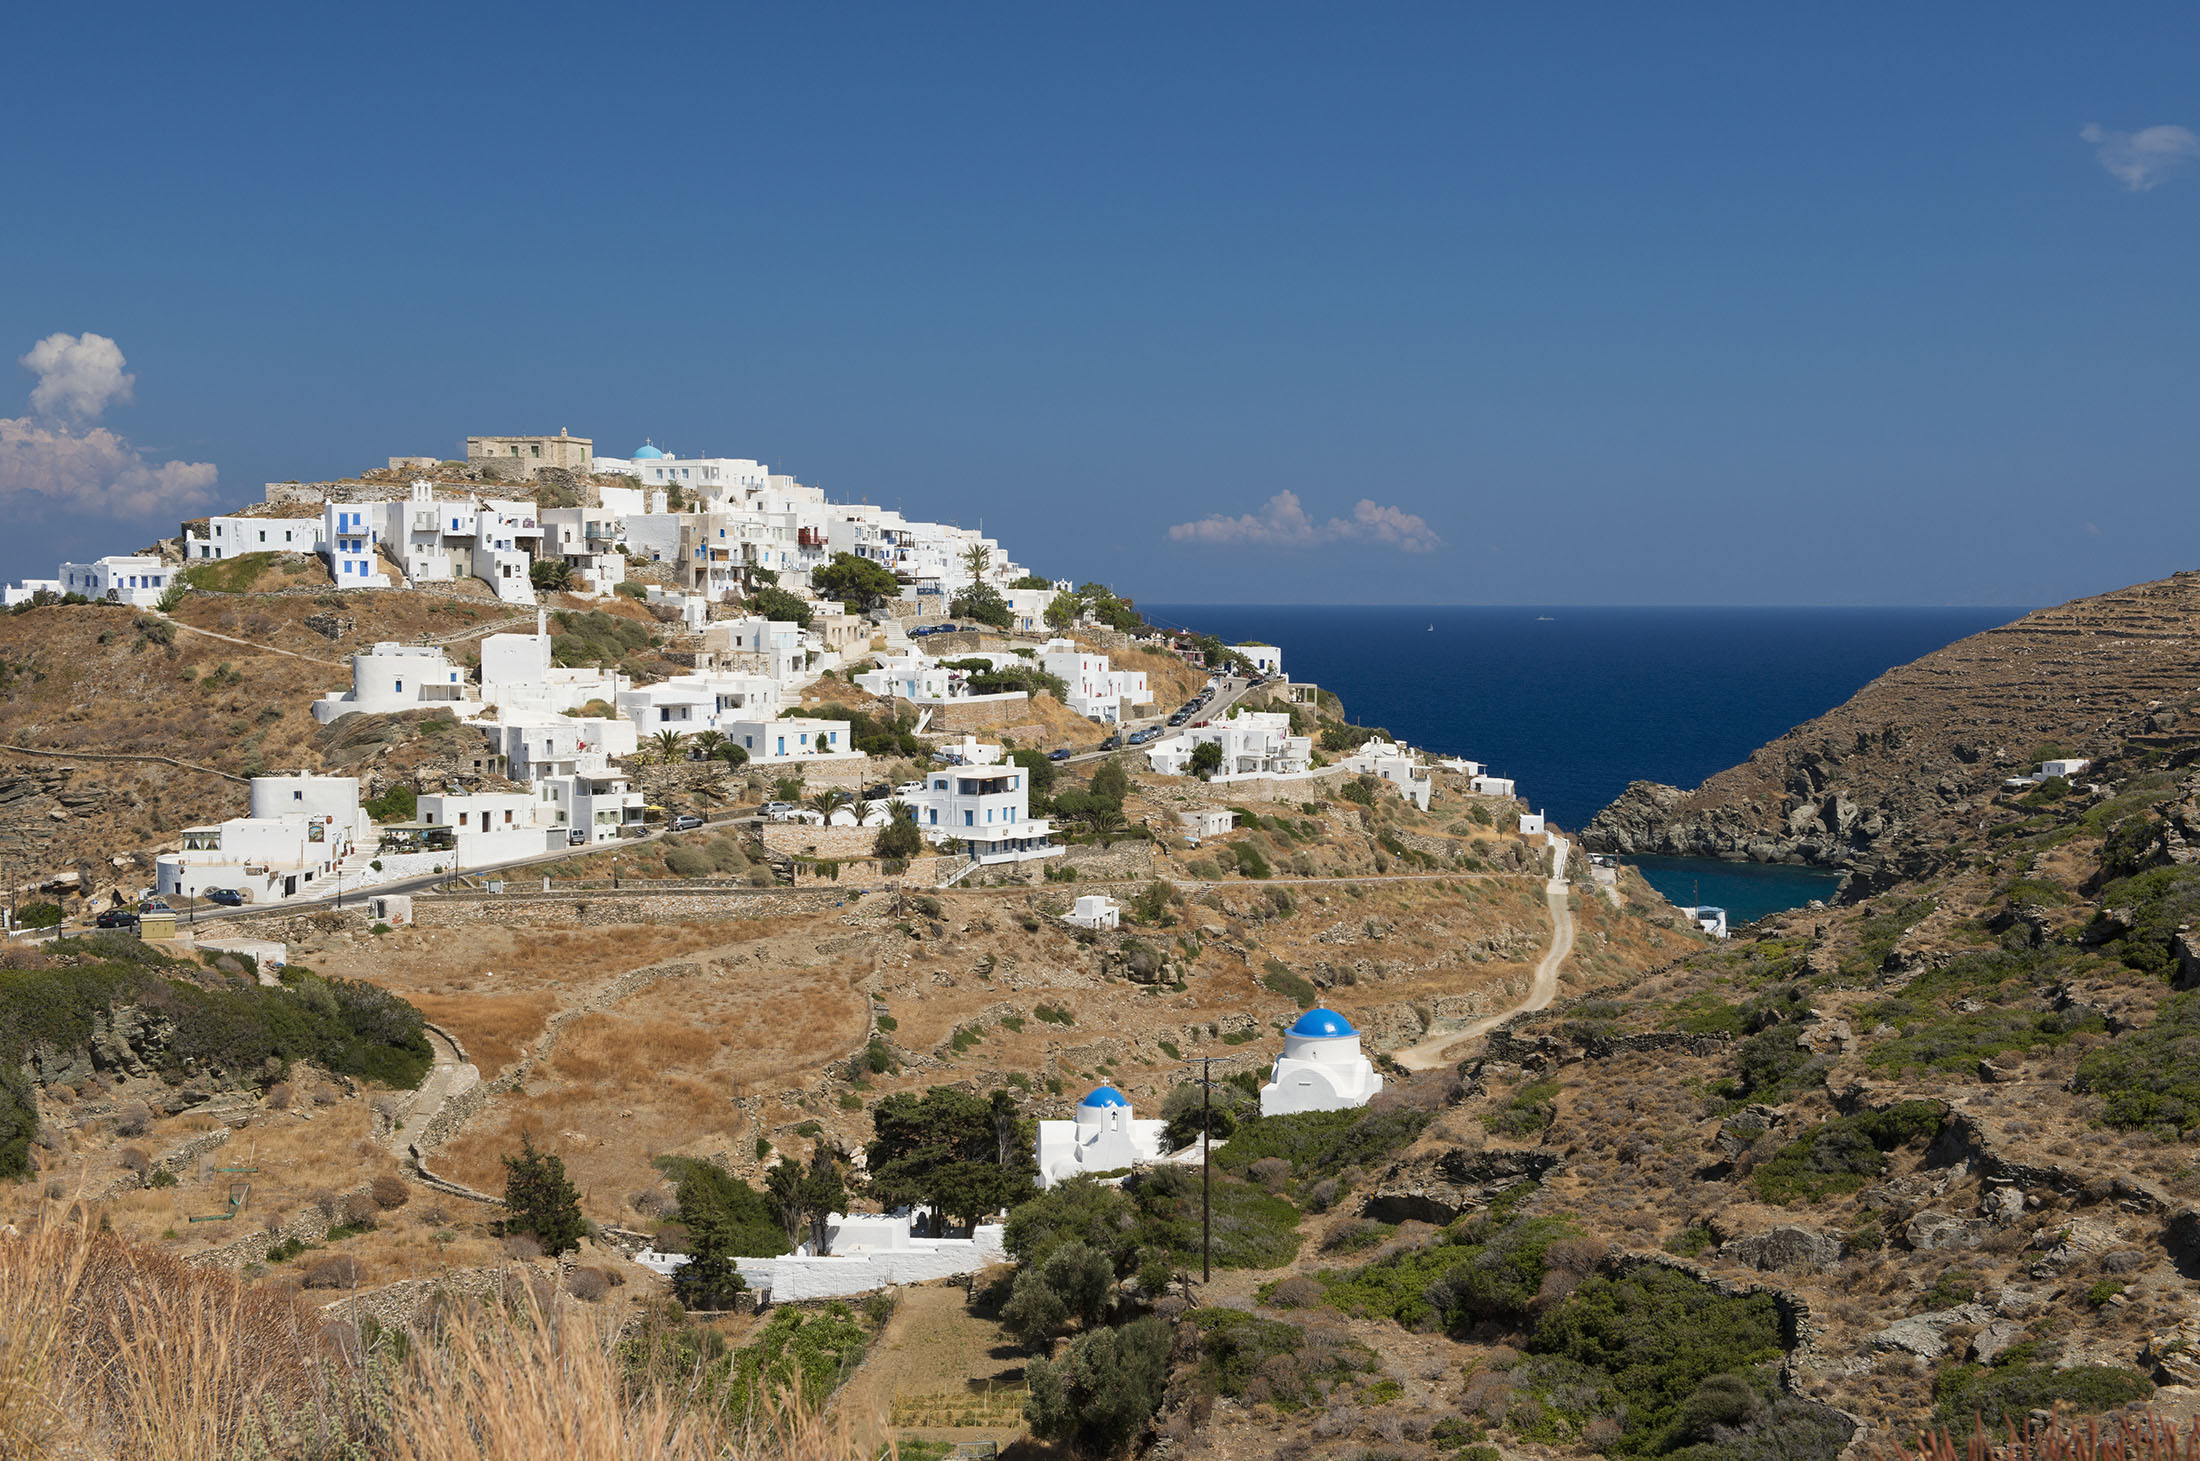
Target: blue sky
(1607,304)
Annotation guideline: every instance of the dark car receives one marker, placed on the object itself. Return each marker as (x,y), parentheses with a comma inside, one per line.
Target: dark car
(116,918)
(227,897)
(879,793)
(1060,755)
(1111,743)
(686,822)
(1179,718)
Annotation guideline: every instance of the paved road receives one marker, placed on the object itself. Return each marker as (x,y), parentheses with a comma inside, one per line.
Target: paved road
(1434,1051)
(1231,691)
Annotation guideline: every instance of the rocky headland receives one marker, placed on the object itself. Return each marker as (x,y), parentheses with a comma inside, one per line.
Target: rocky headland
(1882,786)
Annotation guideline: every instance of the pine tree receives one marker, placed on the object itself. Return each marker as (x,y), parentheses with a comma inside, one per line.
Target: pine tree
(540,1201)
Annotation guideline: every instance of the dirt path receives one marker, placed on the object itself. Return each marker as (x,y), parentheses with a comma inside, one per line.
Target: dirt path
(956,1376)
(451,1076)
(1435,1050)
(311,659)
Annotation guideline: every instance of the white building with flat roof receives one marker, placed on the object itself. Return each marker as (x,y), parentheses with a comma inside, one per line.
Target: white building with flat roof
(494,826)
(795,738)
(984,804)
(136,579)
(1254,743)
(233,537)
(1395,764)
(1095,689)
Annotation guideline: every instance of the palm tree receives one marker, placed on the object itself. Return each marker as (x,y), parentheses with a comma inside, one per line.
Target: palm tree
(977,558)
(668,746)
(705,744)
(825,803)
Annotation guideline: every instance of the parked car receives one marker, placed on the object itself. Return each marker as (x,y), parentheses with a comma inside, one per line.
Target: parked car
(227,897)
(686,822)
(578,837)
(155,905)
(1059,754)
(1111,743)
(878,793)
(116,918)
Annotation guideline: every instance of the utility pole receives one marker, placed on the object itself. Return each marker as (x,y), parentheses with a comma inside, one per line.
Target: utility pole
(1206,1169)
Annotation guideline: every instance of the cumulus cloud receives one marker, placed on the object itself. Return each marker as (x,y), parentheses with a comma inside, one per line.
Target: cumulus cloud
(94,471)
(54,456)
(2143,159)
(79,376)
(1283,522)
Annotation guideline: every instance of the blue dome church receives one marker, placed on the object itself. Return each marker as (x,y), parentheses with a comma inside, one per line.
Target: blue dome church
(1321,1068)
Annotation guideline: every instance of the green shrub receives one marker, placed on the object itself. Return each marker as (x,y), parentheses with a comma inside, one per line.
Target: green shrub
(1250,862)
(1235,1348)
(2150,1078)
(1321,1144)
(1531,1109)
(1483,1269)
(39,915)
(1103,1390)
(1278,979)
(1837,1156)
(2013,1392)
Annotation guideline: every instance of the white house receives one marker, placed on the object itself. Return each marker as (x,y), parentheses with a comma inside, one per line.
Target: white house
(1531,824)
(1492,786)
(2067,769)
(691,703)
(28,589)
(137,579)
(300,826)
(1395,764)
(1255,743)
(396,677)
(1208,822)
(516,674)
(1321,1068)
(796,738)
(1095,690)
(351,539)
(1095,910)
(1710,920)
(233,537)
(588,539)
(1265,658)
(1103,1137)
(985,804)
(494,826)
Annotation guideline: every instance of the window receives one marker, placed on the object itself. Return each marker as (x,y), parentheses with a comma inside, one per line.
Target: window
(970,819)
(400,687)
(297,795)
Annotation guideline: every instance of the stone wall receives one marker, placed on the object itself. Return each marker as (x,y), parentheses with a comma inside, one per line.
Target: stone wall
(988,713)
(800,839)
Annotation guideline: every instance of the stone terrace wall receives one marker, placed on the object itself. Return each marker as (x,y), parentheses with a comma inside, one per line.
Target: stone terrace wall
(800,839)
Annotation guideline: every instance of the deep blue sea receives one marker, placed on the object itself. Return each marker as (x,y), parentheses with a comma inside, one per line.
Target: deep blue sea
(1575,703)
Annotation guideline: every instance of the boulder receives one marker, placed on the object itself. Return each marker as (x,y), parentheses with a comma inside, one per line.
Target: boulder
(1931,1230)
(1926,1335)
(1785,1249)
(2174,1354)
(1990,1343)
(2002,1205)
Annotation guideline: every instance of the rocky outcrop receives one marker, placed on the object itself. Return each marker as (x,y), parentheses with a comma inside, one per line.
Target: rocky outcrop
(1444,1186)
(1881,786)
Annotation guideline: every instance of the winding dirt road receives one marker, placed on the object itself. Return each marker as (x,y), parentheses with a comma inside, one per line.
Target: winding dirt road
(1433,1052)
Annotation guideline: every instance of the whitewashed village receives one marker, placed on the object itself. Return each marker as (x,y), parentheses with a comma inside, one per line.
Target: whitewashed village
(573,772)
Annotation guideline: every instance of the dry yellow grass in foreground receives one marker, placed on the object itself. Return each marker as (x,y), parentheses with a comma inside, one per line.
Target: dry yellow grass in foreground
(112,1350)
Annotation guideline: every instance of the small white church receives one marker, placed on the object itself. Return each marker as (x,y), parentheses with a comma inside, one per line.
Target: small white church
(1321,1068)
(1104,1137)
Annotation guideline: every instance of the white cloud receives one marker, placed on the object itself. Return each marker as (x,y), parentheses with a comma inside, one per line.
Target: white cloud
(2143,159)
(94,471)
(54,453)
(79,376)
(1282,522)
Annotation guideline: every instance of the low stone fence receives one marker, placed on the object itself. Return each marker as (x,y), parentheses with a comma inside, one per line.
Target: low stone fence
(401,1304)
(979,712)
(627,905)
